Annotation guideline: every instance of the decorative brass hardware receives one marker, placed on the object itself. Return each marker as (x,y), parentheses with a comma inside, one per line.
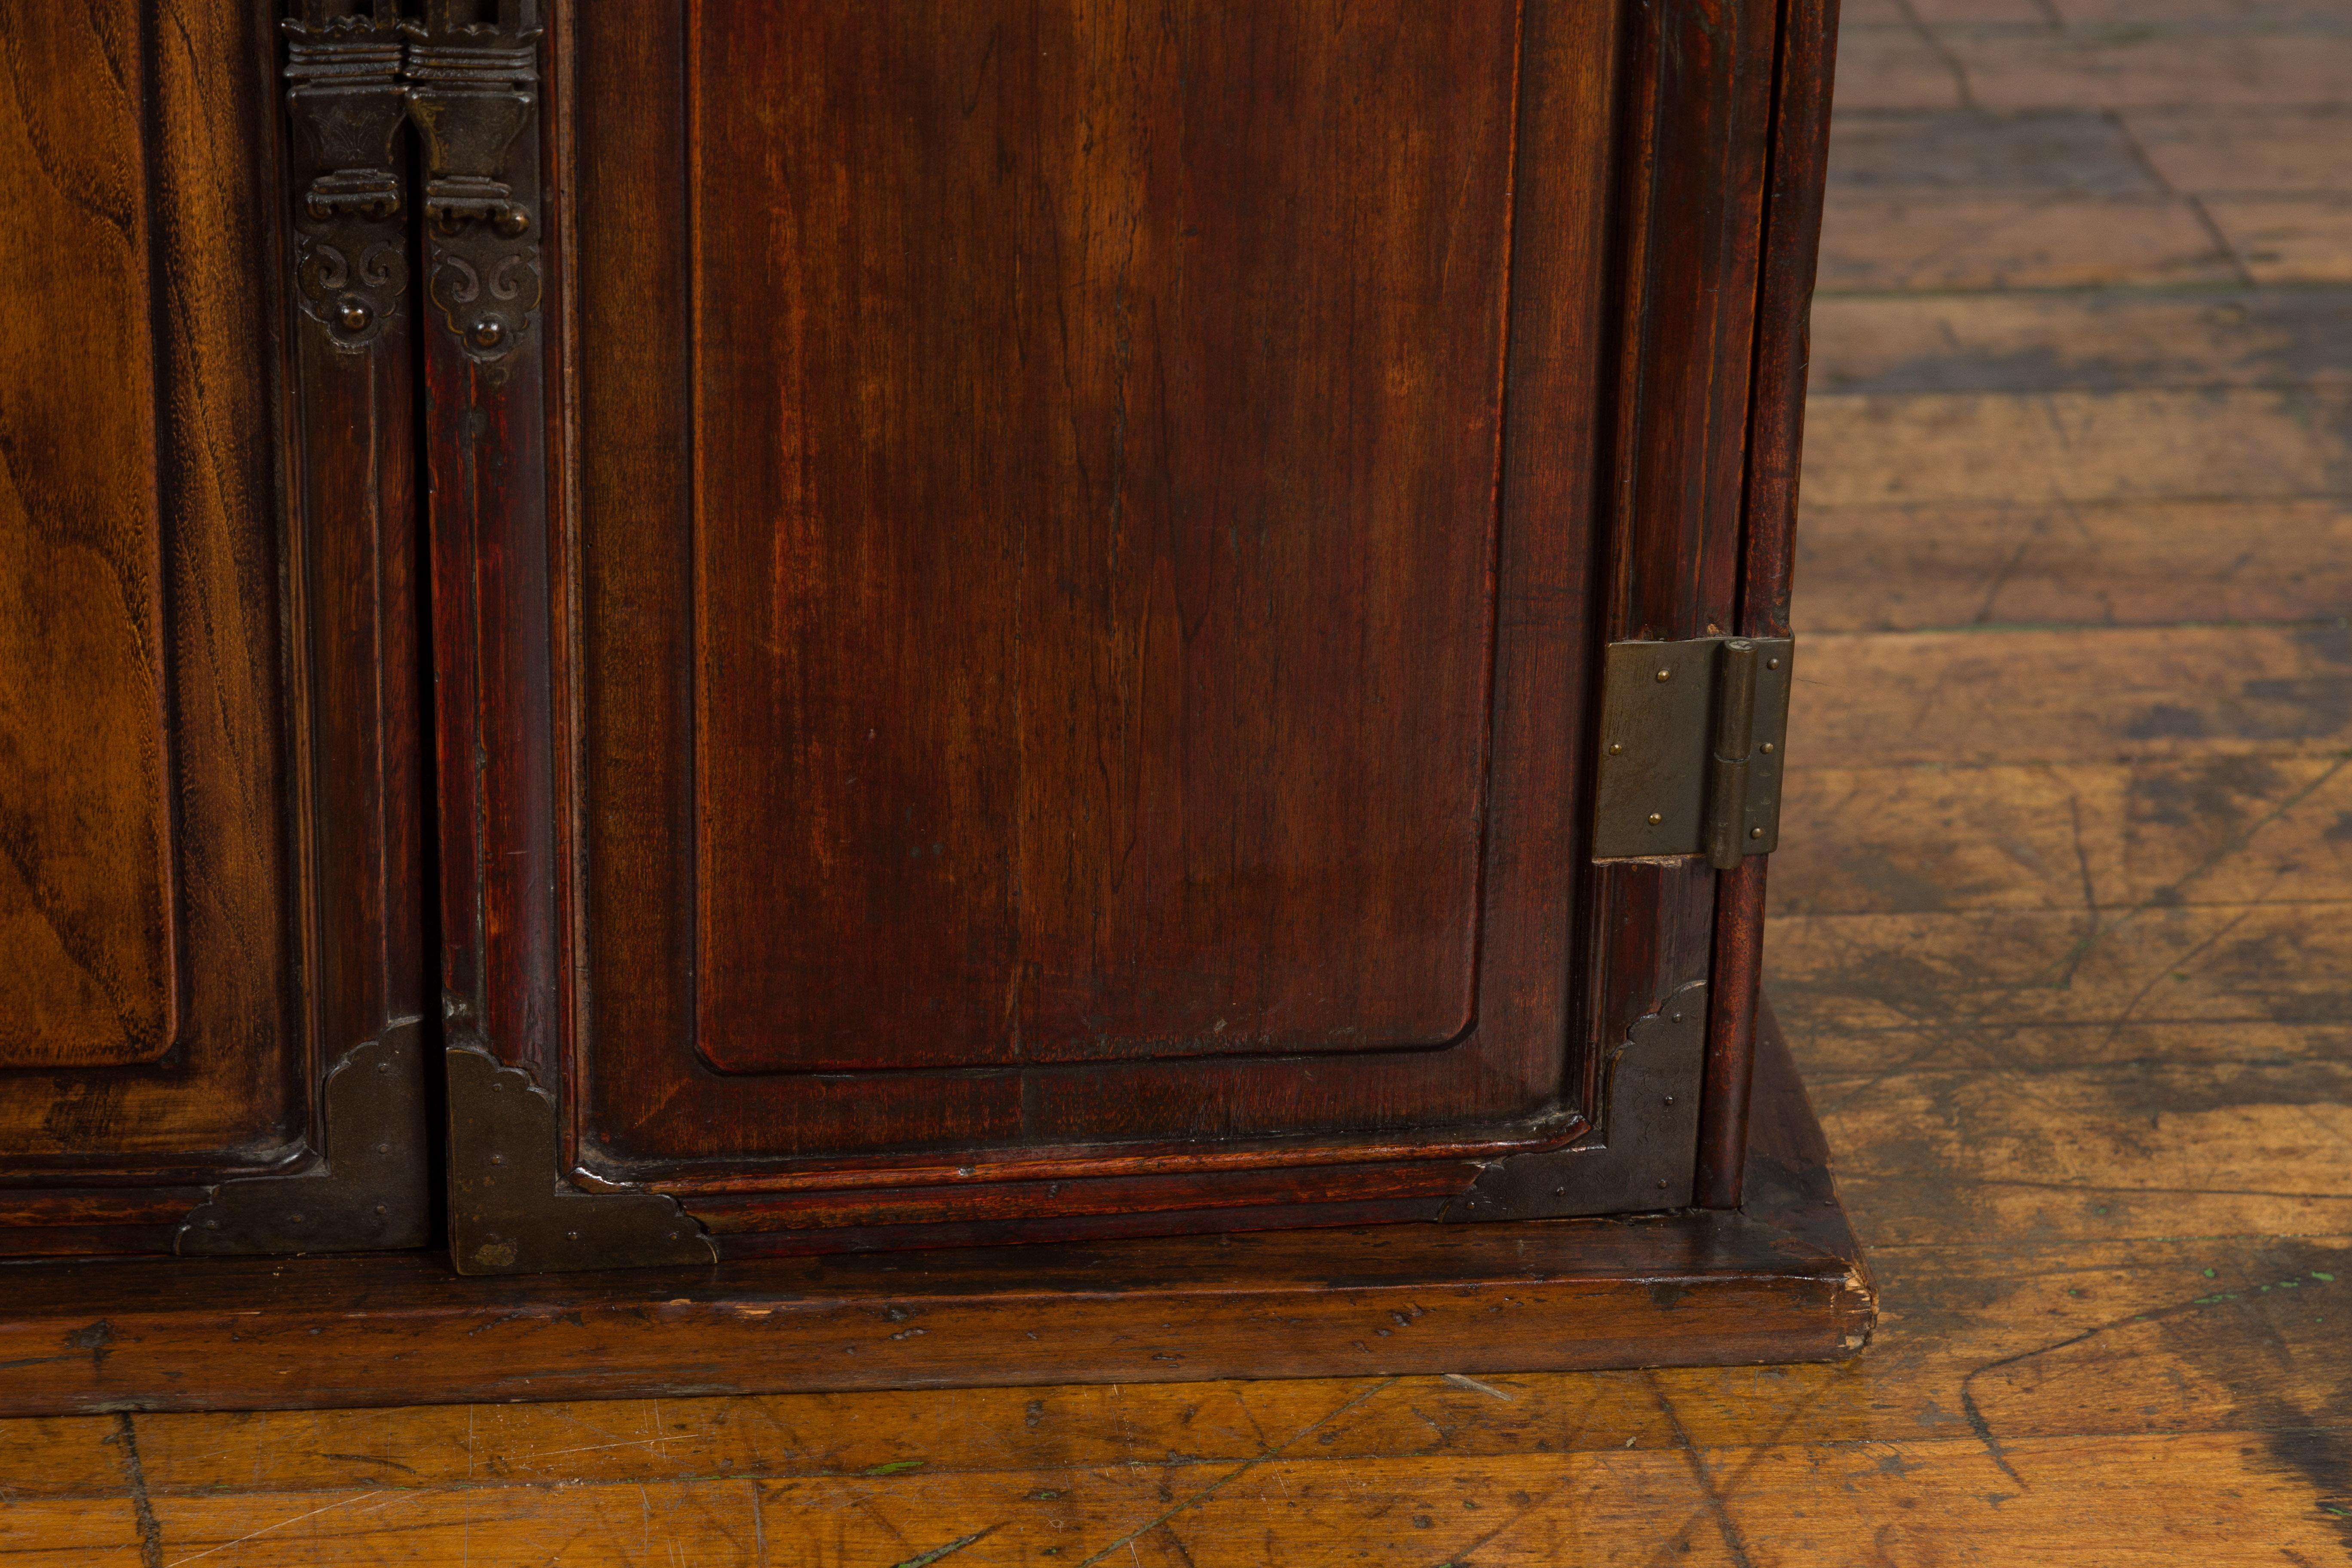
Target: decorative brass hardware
(1645,1153)
(512,1213)
(369,1190)
(1692,737)
(346,100)
(472,92)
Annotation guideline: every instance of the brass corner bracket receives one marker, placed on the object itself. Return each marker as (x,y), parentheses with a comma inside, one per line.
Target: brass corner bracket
(510,1210)
(1643,1156)
(369,1192)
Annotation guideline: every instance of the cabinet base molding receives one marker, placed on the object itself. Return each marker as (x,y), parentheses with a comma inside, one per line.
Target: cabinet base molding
(1779,1280)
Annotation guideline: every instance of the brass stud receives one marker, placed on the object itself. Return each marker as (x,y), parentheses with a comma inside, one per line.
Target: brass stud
(571,1236)
(1665,675)
(355,316)
(383,1147)
(511,222)
(384,1208)
(1768,748)
(294,1219)
(1772,664)
(487,334)
(1754,833)
(1655,819)
(1670,1100)
(1617,751)
(497,1159)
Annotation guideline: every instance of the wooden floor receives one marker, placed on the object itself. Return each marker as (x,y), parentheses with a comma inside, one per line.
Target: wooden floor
(2061,938)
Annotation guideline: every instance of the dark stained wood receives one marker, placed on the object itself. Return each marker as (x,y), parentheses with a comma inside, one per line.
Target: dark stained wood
(209,683)
(1791,249)
(740,809)
(1779,1282)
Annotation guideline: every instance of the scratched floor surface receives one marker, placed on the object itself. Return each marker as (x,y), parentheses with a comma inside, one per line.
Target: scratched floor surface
(2060,936)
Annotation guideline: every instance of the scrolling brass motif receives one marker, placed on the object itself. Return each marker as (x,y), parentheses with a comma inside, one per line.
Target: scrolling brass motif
(346,100)
(472,91)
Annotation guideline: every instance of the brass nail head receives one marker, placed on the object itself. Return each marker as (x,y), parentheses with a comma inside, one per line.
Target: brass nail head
(1665,675)
(1754,833)
(1617,751)
(1768,748)
(1655,819)
(355,317)
(487,334)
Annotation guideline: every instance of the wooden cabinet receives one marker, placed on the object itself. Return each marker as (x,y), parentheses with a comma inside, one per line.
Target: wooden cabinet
(972,623)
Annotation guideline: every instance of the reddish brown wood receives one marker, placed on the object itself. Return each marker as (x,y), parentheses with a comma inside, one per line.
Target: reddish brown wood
(1779,1281)
(1799,152)
(1691,156)
(1234,300)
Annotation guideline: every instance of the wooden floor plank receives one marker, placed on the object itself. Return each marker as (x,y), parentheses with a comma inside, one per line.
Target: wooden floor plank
(1934,566)
(2082,342)
(2233,444)
(1876,241)
(2138,66)
(2241,152)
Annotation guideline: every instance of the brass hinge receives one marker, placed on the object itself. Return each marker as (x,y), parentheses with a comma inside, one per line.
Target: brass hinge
(1692,736)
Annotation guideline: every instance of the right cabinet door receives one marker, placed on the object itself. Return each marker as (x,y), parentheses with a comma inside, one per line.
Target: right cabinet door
(1084,535)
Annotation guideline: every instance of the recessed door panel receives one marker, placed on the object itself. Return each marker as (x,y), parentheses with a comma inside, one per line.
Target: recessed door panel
(1058,664)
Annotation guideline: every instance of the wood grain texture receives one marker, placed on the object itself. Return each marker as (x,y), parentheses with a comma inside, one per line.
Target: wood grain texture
(144,771)
(1779,1281)
(758,748)
(245,484)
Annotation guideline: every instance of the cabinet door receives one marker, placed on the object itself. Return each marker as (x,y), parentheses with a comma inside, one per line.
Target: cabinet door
(209,823)
(1049,693)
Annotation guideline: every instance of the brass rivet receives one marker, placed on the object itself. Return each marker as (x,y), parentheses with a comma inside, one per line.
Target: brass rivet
(1678,1017)
(673,1236)
(294,1219)
(212,1225)
(383,1147)
(1754,833)
(1665,675)
(511,222)
(571,1236)
(1655,819)
(355,317)
(1670,1100)
(1617,751)
(384,1208)
(497,1159)
(487,334)
(383,1067)
(1662,1183)
(1772,664)
(1768,748)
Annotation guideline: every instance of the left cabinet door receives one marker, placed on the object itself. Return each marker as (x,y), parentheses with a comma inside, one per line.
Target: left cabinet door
(211,957)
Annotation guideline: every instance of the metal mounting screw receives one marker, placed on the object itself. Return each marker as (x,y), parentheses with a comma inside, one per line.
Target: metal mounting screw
(487,334)
(355,316)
